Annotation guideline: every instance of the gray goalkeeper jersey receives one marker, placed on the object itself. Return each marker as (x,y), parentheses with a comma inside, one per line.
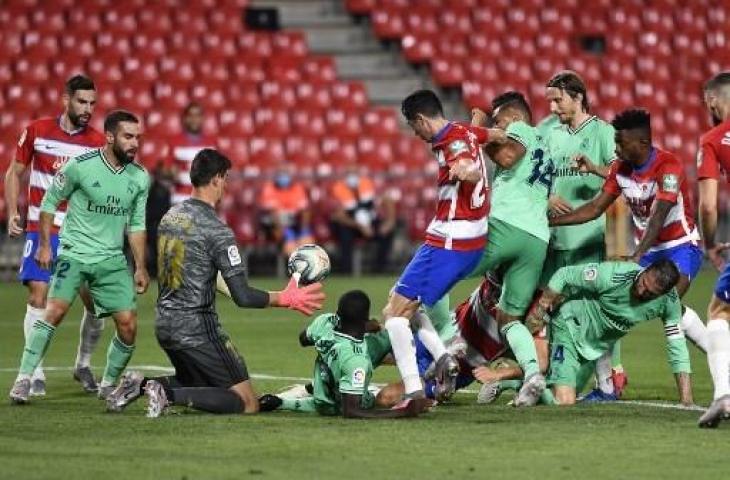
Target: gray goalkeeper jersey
(193,245)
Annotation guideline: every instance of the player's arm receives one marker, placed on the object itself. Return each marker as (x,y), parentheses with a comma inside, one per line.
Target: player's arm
(64,183)
(656,221)
(586,212)
(352,408)
(12,191)
(137,237)
(508,153)
(677,352)
(583,164)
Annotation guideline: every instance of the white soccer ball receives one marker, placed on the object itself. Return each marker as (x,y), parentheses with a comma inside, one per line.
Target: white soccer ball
(310,263)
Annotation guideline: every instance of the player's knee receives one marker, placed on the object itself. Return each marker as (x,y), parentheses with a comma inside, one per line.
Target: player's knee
(37,296)
(564,396)
(126,327)
(54,313)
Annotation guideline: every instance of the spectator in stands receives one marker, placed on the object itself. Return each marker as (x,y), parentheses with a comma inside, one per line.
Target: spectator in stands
(285,215)
(359,216)
(183,148)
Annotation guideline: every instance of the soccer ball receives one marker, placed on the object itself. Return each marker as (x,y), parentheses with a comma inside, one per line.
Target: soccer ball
(310,262)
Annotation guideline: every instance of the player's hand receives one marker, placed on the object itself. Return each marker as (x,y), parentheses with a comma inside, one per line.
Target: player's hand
(302,299)
(141,280)
(14,228)
(478,117)
(715,254)
(466,171)
(583,164)
(485,374)
(43,257)
(558,206)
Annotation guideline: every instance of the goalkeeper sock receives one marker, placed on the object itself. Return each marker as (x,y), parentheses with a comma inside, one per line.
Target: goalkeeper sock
(404,351)
(207,399)
(117,358)
(36,345)
(693,328)
(89,334)
(523,347)
(439,314)
(298,404)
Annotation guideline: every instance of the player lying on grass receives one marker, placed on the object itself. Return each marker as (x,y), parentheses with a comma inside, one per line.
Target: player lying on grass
(107,194)
(194,245)
(342,370)
(594,305)
(654,185)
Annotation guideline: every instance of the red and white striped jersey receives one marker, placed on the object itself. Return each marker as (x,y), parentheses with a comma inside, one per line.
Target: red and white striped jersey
(661,178)
(461,212)
(713,157)
(183,149)
(45,147)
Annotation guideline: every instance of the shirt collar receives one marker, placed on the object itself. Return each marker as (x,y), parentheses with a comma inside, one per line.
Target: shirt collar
(72,132)
(441,133)
(648,163)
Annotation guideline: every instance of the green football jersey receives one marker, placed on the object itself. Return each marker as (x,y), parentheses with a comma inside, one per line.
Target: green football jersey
(520,194)
(102,202)
(599,309)
(342,365)
(594,138)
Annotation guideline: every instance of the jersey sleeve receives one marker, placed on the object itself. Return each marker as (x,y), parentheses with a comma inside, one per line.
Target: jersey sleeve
(708,166)
(226,256)
(611,184)
(668,178)
(677,353)
(608,146)
(354,376)
(481,133)
(320,327)
(522,133)
(456,149)
(574,280)
(64,183)
(24,149)
(137,218)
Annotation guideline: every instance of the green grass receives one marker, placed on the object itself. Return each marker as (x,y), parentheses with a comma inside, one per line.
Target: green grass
(67,434)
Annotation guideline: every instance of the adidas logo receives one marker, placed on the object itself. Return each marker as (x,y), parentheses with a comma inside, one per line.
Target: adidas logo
(96,184)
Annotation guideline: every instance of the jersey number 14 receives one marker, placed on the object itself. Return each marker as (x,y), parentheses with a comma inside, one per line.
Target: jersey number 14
(543,170)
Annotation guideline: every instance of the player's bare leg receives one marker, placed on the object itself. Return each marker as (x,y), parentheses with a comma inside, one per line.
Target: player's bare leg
(37,293)
(718,359)
(564,395)
(90,332)
(120,350)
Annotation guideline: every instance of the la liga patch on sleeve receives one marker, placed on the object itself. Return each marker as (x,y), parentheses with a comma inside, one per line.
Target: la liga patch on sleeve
(234,258)
(358,377)
(670,183)
(590,274)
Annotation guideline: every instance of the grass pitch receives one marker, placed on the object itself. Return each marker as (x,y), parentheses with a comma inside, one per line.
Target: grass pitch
(68,435)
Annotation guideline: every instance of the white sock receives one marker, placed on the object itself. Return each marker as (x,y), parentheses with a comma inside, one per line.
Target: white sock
(718,355)
(89,335)
(404,351)
(604,381)
(31,315)
(429,336)
(693,328)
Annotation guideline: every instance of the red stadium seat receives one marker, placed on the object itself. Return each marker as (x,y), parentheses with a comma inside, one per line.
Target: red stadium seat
(225,19)
(319,69)
(136,97)
(33,72)
(338,151)
(237,150)
(360,7)
(190,20)
(274,94)
(139,69)
(255,44)
(313,96)
(211,94)
(247,70)
(303,150)
(153,152)
(242,95)
(39,46)
(171,95)
(284,69)
(162,123)
(374,152)
(388,24)
(22,97)
(422,22)
(180,42)
(235,123)
(219,44)
(349,95)
(380,122)
(176,68)
(119,20)
(154,19)
(308,123)
(270,122)
(266,151)
(343,123)
(417,49)
(289,44)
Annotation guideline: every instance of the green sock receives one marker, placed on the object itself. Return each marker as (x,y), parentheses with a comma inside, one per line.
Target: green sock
(439,314)
(616,355)
(547,397)
(523,347)
(36,346)
(298,404)
(117,358)
(509,385)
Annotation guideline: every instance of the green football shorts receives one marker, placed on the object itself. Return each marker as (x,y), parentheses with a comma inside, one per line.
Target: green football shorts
(565,361)
(109,281)
(517,257)
(556,259)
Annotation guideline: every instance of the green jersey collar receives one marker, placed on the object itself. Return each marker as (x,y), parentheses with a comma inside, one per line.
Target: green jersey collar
(115,171)
(580,127)
(340,334)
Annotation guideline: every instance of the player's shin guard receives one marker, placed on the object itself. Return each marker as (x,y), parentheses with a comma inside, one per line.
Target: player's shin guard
(404,351)
(429,336)
(32,315)
(35,347)
(523,346)
(693,328)
(718,355)
(298,404)
(89,334)
(117,358)
(207,399)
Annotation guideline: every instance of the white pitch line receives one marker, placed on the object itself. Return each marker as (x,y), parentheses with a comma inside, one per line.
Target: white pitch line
(265,376)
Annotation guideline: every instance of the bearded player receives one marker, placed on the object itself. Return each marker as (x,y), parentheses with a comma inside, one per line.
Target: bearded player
(45,146)
(454,241)
(713,159)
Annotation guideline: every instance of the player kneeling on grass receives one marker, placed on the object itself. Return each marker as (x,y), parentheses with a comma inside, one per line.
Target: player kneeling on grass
(343,368)
(194,245)
(597,304)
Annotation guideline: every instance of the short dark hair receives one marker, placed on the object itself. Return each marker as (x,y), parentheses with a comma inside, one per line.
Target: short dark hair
(719,80)
(190,106)
(353,308)
(207,164)
(512,99)
(572,84)
(112,120)
(79,82)
(633,119)
(667,274)
(424,102)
